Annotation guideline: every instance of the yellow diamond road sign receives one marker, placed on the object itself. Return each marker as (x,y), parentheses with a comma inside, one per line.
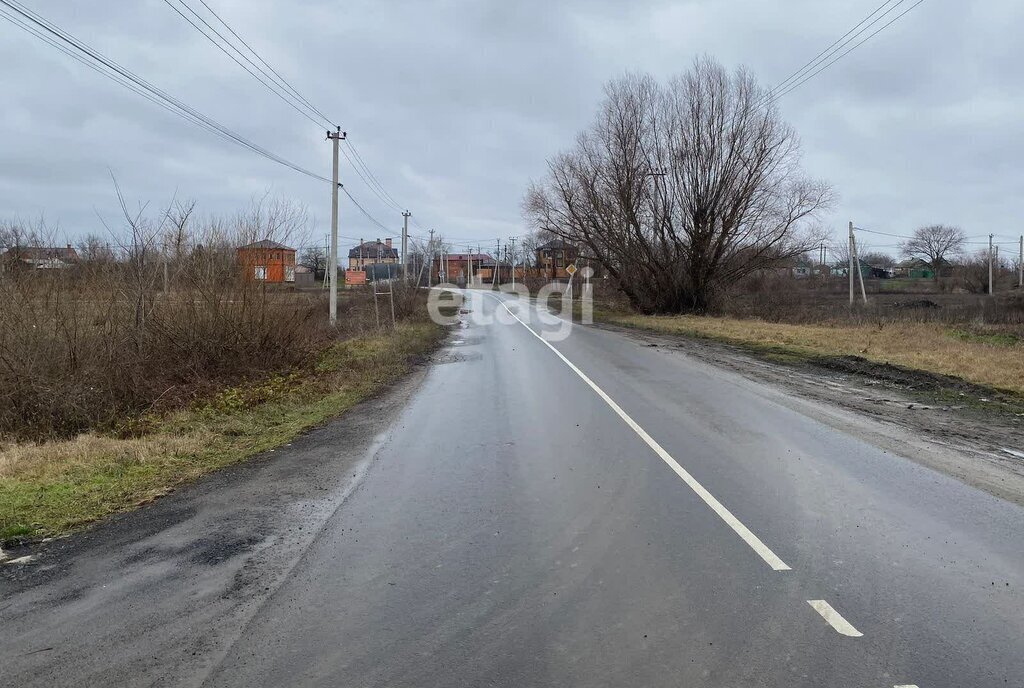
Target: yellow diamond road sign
(571,269)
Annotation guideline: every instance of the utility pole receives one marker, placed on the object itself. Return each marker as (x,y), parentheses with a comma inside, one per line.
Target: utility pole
(497,264)
(1020,265)
(850,251)
(405,243)
(332,262)
(327,252)
(512,254)
(430,264)
(990,265)
(860,271)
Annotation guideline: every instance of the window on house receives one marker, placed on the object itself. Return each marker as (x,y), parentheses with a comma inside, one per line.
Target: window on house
(289,273)
(261,272)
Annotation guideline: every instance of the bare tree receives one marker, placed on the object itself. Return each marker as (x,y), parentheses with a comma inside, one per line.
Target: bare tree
(877,259)
(680,190)
(94,249)
(314,258)
(934,244)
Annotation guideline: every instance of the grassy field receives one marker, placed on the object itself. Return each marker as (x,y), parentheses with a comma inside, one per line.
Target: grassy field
(54,487)
(994,359)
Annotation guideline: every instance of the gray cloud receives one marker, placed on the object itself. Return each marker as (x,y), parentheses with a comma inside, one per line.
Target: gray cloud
(456,104)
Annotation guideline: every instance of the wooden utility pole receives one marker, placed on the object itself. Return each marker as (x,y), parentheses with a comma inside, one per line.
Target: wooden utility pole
(332,262)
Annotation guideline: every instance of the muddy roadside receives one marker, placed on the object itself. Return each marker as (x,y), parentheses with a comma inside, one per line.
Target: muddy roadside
(972,433)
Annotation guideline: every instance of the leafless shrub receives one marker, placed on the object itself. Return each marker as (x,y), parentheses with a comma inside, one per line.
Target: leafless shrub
(152,318)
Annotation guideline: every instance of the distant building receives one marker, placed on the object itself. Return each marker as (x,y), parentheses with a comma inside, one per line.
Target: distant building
(372,253)
(915,268)
(267,261)
(459,267)
(867,271)
(41,257)
(554,257)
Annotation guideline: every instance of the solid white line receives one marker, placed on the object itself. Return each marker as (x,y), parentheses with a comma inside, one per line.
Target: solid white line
(834,618)
(905,685)
(755,543)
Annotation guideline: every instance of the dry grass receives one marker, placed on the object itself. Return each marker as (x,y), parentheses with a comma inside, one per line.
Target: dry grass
(52,487)
(992,360)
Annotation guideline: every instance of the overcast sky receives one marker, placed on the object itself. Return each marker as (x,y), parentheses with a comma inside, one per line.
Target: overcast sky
(456,105)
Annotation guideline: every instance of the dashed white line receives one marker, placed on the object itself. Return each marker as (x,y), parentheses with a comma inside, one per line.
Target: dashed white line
(755,543)
(834,618)
(905,685)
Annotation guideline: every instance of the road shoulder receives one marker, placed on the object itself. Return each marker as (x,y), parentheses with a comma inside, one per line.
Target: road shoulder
(229,539)
(957,436)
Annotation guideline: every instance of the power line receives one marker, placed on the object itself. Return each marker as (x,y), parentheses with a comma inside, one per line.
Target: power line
(276,87)
(363,210)
(775,95)
(124,77)
(824,54)
(285,97)
(282,80)
(366,181)
(385,196)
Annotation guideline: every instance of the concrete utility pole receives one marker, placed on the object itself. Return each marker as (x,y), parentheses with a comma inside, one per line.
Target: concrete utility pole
(497,264)
(512,254)
(990,265)
(430,263)
(860,271)
(405,243)
(850,251)
(1020,265)
(332,262)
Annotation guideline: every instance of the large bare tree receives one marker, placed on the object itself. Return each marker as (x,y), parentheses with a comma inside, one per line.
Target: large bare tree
(681,189)
(934,244)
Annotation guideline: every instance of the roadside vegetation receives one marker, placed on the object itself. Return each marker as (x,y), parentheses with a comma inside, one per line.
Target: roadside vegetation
(118,384)
(689,198)
(973,338)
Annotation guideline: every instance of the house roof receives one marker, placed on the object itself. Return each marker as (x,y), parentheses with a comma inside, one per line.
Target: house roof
(555,243)
(369,249)
(267,244)
(65,253)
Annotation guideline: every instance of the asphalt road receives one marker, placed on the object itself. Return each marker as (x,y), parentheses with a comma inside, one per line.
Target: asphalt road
(589,512)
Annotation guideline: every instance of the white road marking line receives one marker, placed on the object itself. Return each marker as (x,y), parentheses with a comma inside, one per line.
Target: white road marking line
(905,685)
(1013,452)
(755,543)
(834,618)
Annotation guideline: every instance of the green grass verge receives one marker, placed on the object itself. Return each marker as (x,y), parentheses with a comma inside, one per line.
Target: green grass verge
(50,489)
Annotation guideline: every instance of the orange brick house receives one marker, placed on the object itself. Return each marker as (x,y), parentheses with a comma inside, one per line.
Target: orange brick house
(267,261)
(554,257)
